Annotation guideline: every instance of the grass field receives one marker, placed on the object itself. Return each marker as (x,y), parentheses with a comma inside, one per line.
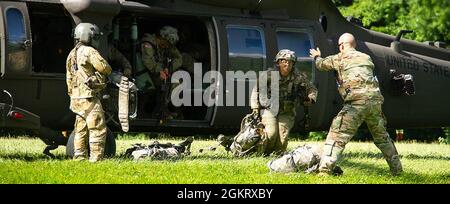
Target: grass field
(21,161)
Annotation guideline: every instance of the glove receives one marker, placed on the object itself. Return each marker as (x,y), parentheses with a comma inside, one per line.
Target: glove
(309,102)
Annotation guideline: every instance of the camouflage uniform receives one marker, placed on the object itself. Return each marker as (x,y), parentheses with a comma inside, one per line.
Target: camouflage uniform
(90,119)
(279,125)
(115,57)
(153,56)
(360,91)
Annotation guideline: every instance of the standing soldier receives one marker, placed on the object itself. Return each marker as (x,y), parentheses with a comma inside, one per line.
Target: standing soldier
(86,78)
(294,89)
(360,91)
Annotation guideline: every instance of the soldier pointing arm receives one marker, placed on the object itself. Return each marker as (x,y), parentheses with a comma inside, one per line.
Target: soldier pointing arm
(360,91)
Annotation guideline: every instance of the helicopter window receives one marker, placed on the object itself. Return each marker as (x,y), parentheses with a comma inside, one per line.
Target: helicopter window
(17,56)
(246,48)
(300,43)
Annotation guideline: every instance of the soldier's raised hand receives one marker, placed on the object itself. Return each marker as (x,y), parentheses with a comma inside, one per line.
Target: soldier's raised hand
(314,53)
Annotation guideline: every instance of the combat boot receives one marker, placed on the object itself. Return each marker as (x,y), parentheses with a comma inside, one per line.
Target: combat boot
(79,155)
(187,142)
(330,155)
(185,146)
(79,158)
(391,155)
(97,151)
(225,141)
(395,165)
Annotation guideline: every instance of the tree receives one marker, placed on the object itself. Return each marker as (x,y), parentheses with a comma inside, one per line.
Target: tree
(429,19)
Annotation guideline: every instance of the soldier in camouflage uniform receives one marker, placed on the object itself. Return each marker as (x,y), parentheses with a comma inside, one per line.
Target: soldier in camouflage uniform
(86,76)
(155,52)
(115,57)
(156,49)
(291,86)
(360,91)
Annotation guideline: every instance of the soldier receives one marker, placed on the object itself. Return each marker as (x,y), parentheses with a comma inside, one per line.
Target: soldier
(115,57)
(159,55)
(291,86)
(86,77)
(360,91)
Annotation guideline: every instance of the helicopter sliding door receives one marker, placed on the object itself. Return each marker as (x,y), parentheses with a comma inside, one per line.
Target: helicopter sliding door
(242,54)
(196,45)
(16,40)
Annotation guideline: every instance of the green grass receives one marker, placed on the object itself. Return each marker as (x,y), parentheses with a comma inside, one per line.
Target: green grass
(21,161)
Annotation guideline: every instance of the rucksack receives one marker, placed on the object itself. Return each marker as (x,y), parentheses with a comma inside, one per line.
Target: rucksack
(304,159)
(159,151)
(252,138)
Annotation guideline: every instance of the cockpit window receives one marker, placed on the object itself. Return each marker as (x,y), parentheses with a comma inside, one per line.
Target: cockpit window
(300,42)
(246,48)
(17,56)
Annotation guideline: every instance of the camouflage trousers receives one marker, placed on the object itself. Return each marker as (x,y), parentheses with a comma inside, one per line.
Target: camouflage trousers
(345,125)
(277,128)
(90,127)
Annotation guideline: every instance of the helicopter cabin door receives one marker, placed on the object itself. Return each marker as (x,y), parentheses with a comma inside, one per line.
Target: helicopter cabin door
(242,53)
(15,39)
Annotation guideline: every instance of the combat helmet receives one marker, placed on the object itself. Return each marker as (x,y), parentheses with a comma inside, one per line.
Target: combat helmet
(88,33)
(170,34)
(287,55)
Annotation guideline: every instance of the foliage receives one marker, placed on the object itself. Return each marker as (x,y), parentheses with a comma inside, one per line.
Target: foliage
(22,161)
(429,19)
(446,139)
(317,136)
(421,135)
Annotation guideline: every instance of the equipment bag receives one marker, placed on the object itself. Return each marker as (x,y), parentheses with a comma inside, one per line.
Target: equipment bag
(251,139)
(304,158)
(159,151)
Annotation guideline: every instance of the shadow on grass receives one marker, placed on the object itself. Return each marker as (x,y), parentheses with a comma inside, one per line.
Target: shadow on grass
(370,169)
(407,156)
(33,157)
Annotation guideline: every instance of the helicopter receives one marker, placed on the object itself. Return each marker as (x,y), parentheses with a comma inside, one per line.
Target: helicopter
(236,35)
